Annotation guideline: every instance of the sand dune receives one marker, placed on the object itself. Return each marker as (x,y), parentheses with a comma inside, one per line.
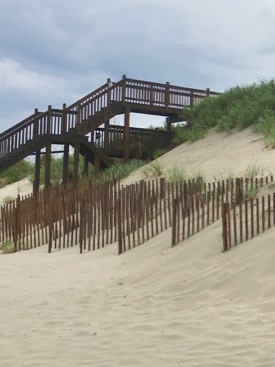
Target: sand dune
(153,306)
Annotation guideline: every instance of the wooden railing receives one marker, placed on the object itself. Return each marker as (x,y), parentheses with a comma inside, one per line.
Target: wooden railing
(51,122)
(142,141)
(90,109)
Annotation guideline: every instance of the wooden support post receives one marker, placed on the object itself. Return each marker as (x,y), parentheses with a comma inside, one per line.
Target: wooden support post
(36,183)
(85,166)
(96,165)
(75,166)
(107,137)
(65,165)
(126,137)
(168,124)
(48,166)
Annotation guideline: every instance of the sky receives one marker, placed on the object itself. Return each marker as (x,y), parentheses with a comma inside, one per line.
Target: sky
(57,51)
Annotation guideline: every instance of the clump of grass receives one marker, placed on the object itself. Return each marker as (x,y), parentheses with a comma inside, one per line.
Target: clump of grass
(158,153)
(8,199)
(253,170)
(4,181)
(251,193)
(7,247)
(184,134)
(199,179)
(118,171)
(266,127)
(153,169)
(225,175)
(176,174)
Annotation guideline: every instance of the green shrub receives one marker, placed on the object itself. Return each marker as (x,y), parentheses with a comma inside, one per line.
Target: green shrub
(8,199)
(253,170)
(153,169)
(176,174)
(17,172)
(158,153)
(7,247)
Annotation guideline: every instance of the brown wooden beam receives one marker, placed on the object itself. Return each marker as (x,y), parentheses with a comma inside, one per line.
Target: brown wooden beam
(36,183)
(48,166)
(126,137)
(75,165)
(96,165)
(85,166)
(65,165)
(106,136)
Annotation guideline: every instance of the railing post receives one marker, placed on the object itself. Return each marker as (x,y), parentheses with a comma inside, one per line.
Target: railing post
(35,125)
(64,119)
(167,95)
(49,128)
(191,99)
(124,89)
(79,118)
(109,84)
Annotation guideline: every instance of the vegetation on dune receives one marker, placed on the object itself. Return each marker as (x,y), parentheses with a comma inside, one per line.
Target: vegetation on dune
(16,173)
(25,169)
(237,108)
(118,171)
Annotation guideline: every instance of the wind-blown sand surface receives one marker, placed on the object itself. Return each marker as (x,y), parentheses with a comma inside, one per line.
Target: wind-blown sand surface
(155,305)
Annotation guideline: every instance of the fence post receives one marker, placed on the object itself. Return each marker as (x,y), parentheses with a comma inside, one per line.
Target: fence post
(119,222)
(224,226)
(174,220)
(239,191)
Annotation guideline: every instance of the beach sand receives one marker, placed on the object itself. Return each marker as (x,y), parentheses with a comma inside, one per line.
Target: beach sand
(190,305)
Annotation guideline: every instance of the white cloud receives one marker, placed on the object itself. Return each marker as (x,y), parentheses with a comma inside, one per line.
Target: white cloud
(54,51)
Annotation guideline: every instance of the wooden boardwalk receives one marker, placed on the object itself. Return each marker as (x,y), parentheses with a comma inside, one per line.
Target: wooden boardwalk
(85,126)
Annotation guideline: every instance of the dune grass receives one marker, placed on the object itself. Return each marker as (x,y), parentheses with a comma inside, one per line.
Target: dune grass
(7,247)
(237,108)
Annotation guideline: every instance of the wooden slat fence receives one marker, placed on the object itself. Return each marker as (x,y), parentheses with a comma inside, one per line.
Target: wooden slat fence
(247,220)
(195,209)
(95,216)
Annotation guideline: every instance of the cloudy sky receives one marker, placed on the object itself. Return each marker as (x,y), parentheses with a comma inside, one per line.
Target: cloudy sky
(57,51)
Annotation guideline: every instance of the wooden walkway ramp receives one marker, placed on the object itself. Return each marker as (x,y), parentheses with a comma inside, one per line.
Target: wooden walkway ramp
(85,125)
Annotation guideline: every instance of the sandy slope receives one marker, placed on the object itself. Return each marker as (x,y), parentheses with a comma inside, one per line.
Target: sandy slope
(153,306)
(22,188)
(218,156)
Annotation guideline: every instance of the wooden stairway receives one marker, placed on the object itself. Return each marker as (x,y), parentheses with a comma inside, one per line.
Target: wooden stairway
(71,124)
